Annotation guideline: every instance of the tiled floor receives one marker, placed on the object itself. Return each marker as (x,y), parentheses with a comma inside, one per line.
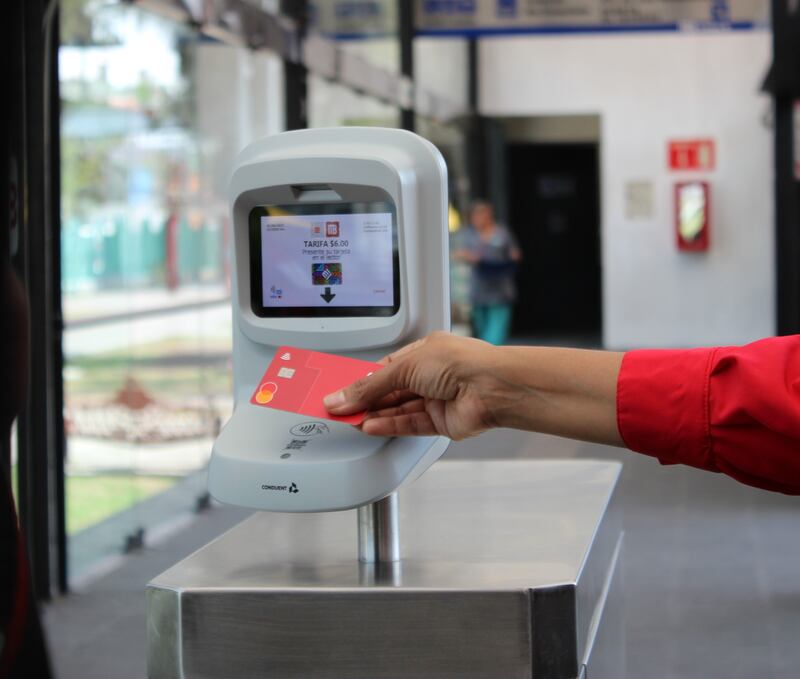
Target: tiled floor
(712,574)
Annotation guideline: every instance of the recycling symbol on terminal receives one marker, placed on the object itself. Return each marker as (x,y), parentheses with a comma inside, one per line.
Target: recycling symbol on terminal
(293,488)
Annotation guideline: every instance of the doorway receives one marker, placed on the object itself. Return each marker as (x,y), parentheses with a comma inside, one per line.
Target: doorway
(554,211)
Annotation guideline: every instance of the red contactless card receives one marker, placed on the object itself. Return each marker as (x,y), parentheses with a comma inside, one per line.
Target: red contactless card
(298,379)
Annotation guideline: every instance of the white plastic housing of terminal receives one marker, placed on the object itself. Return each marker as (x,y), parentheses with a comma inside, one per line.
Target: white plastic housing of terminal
(254,461)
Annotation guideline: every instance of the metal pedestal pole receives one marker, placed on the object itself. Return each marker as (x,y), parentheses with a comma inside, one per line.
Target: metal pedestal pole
(379,531)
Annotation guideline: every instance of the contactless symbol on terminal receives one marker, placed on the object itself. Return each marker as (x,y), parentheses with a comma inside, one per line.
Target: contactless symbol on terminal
(309,429)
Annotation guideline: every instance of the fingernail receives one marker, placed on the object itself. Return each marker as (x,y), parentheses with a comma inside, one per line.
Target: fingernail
(333,400)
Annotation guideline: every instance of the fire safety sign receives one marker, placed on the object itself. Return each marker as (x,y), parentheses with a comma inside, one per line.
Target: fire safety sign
(692,154)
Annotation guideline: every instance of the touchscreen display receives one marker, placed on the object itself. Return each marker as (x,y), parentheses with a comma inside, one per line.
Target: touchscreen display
(334,260)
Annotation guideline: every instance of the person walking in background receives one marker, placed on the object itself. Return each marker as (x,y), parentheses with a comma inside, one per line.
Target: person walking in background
(493,253)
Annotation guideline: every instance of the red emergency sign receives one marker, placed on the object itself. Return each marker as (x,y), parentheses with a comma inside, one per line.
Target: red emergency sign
(692,154)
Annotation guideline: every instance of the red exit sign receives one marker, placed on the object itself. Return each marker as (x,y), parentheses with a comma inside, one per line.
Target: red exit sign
(692,154)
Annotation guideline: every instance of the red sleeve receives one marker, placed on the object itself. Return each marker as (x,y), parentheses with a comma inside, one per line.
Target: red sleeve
(734,410)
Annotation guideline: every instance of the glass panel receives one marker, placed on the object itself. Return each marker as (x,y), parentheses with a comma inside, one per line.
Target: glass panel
(151,120)
(451,142)
(368,30)
(450,83)
(330,104)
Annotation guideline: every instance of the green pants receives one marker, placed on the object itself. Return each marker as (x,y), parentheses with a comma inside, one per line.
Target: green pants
(491,322)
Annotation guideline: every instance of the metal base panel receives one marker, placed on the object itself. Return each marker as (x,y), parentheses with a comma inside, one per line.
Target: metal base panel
(509,569)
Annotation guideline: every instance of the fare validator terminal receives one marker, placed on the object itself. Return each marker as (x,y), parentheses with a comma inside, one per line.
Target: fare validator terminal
(340,245)
(512,566)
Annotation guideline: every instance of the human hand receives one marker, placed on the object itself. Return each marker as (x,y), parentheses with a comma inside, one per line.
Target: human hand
(439,385)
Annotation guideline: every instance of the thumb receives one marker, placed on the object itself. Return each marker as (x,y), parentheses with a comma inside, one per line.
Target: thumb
(361,395)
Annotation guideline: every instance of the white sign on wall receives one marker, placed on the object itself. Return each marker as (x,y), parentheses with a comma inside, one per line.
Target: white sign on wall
(639,200)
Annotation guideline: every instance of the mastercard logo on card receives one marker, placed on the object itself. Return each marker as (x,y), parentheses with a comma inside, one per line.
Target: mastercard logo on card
(298,379)
(265,393)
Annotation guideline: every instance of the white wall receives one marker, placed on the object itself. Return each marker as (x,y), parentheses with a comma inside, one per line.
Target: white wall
(648,89)
(441,65)
(332,104)
(239,98)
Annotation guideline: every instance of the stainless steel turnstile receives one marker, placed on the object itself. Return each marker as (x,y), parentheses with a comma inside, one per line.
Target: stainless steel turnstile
(509,569)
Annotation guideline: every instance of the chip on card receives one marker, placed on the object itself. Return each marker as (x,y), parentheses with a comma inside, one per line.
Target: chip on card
(298,379)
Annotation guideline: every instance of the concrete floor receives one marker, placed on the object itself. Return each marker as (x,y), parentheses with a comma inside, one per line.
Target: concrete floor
(712,574)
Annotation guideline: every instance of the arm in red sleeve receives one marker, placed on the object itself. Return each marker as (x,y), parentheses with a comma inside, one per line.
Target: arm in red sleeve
(734,410)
